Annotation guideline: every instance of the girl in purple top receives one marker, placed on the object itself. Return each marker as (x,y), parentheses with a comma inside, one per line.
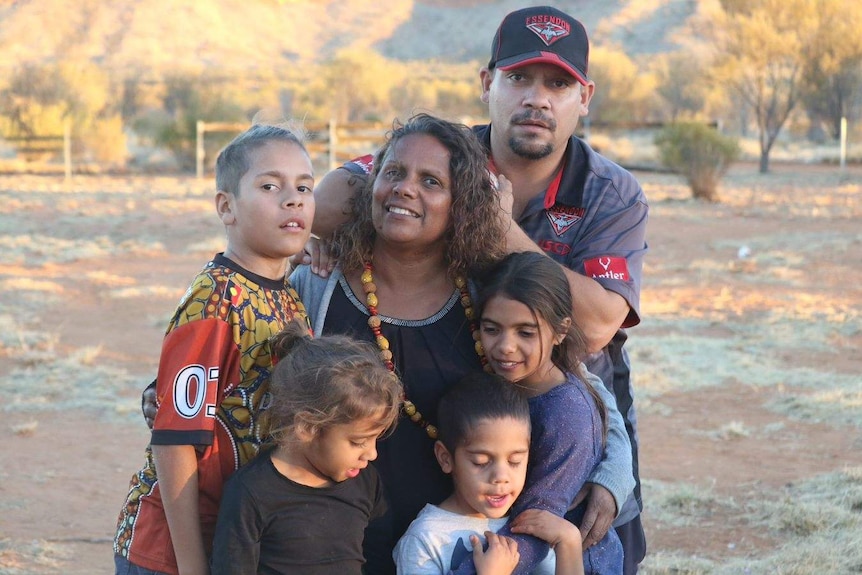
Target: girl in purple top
(529,338)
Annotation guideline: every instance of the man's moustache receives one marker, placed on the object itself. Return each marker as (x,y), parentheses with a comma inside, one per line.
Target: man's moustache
(535,117)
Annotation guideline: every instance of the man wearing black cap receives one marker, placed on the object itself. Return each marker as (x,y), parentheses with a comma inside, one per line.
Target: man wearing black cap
(570,203)
(577,207)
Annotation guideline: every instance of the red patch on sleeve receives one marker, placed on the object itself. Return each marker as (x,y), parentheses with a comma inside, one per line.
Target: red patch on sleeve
(607,267)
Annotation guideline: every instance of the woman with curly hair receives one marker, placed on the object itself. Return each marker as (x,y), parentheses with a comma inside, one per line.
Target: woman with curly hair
(426,223)
(473,237)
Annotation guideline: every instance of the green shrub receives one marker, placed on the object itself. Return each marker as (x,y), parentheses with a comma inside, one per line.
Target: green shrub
(188,99)
(698,152)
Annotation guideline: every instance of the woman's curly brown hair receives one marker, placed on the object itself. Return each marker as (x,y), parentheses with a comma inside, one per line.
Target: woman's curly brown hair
(474,235)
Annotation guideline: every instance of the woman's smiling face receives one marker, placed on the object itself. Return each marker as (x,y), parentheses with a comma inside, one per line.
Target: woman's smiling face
(412,195)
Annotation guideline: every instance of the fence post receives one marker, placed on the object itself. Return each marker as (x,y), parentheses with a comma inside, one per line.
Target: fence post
(333,143)
(199,149)
(67,151)
(843,160)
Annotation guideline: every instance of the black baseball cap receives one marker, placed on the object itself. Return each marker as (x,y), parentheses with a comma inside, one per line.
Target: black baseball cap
(541,34)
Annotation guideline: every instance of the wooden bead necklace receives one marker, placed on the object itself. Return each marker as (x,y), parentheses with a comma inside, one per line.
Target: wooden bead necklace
(370,289)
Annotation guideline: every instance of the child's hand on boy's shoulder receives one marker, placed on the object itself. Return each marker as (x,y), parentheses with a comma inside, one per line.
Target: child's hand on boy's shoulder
(500,558)
(548,527)
(563,536)
(149,404)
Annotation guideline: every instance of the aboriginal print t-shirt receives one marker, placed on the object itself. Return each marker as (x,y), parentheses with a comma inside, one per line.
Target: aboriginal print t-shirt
(212,392)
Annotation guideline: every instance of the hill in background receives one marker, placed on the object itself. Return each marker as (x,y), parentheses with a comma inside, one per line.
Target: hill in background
(158,36)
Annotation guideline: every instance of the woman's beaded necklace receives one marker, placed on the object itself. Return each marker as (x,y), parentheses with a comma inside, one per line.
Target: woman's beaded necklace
(370,289)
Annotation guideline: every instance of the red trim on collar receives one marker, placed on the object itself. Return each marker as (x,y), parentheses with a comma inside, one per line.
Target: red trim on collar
(553,188)
(492,166)
(551,192)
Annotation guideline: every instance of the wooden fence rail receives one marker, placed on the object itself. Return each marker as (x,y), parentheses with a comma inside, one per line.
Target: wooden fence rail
(337,142)
(329,143)
(32,148)
(340,142)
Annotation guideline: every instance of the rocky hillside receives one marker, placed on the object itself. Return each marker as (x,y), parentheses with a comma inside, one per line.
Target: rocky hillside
(159,35)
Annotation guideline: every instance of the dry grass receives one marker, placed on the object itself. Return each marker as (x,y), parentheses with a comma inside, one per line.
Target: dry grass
(41,380)
(818,522)
(783,320)
(684,505)
(34,556)
(71,229)
(26,429)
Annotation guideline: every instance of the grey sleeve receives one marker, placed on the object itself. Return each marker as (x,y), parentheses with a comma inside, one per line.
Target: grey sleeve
(315,293)
(614,472)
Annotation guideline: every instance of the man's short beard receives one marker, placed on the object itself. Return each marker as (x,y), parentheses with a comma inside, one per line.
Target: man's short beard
(530,152)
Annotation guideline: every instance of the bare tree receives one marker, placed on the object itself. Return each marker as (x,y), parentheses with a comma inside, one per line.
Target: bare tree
(760,54)
(833,66)
(680,83)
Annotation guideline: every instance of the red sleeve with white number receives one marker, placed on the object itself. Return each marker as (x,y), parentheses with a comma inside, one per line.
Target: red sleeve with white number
(199,361)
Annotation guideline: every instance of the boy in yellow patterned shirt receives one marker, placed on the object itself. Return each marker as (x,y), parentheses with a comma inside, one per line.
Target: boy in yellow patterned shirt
(215,363)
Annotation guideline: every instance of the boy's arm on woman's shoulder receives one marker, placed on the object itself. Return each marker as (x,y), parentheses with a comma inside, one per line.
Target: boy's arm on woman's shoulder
(332,196)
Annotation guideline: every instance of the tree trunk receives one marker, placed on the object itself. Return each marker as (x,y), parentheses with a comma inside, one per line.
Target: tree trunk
(764,161)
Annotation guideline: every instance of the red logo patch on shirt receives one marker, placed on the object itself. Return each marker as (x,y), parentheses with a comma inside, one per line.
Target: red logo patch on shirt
(564,217)
(607,267)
